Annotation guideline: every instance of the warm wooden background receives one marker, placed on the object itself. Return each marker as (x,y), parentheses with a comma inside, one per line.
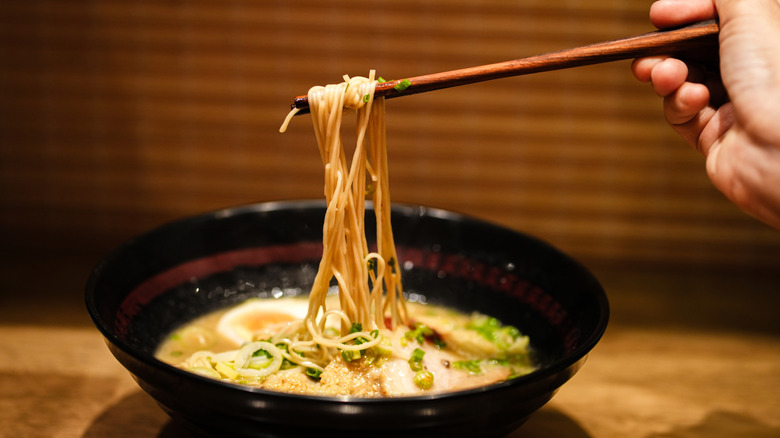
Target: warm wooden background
(117,116)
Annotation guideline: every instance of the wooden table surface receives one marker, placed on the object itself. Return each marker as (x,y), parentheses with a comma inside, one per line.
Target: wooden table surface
(688,354)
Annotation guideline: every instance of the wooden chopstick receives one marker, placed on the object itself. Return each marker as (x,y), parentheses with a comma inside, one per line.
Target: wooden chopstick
(663,42)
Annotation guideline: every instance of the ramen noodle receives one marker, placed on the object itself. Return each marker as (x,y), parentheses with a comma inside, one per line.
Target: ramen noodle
(355,334)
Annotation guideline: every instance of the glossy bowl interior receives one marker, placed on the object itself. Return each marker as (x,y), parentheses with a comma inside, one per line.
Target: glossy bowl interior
(156,282)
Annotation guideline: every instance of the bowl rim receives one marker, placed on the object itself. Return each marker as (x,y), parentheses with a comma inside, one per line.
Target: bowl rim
(549,371)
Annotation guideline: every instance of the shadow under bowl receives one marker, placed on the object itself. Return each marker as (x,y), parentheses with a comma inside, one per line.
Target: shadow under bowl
(154,283)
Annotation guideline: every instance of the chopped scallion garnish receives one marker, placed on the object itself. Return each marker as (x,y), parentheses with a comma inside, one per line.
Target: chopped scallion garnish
(423,379)
(403,85)
(472,366)
(313,373)
(350,355)
(261,353)
(420,332)
(415,362)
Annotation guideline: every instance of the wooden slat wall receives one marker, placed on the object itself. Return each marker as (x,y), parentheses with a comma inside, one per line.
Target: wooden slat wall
(117,116)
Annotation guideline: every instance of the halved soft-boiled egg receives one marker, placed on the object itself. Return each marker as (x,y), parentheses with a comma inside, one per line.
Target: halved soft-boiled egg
(245,321)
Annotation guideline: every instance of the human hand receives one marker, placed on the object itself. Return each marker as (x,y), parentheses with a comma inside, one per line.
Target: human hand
(732,118)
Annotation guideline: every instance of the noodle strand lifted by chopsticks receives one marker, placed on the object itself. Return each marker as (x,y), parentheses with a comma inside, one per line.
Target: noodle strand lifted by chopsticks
(369,283)
(370,325)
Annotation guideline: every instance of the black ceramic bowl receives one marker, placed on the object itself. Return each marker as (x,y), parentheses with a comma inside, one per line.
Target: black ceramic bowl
(154,283)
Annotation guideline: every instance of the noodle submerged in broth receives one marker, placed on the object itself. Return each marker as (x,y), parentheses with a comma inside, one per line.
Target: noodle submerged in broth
(364,340)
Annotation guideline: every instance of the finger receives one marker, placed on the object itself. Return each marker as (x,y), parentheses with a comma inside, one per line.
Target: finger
(643,67)
(693,131)
(668,75)
(717,126)
(686,102)
(690,116)
(668,13)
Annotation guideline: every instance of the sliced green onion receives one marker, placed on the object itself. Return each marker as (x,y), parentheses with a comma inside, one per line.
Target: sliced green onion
(423,379)
(350,355)
(503,336)
(261,353)
(370,190)
(415,362)
(472,366)
(419,333)
(403,85)
(247,352)
(206,372)
(313,373)
(226,370)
